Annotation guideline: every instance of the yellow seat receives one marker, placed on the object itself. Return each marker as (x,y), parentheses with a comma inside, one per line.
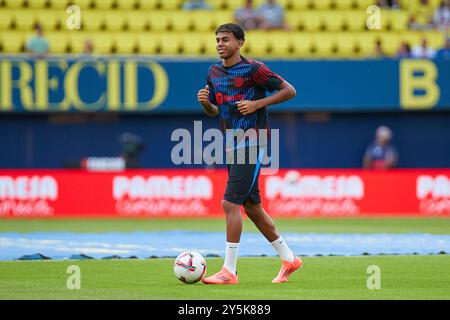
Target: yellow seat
(293,19)
(362,4)
(221,17)
(92,21)
(323,4)
(103,4)
(36,4)
(257,43)
(310,20)
(191,44)
(77,39)
(333,20)
(280,44)
(436,39)
(6,19)
(203,20)
(399,20)
(209,41)
(345,44)
(324,44)
(181,21)
(14,4)
(148,4)
(24,19)
(390,42)
(12,42)
(302,44)
(148,43)
(58,42)
(171,4)
(125,43)
(170,44)
(159,20)
(136,20)
(103,43)
(366,43)
(355,20)
(49,19)
(126,4)
(114,21)
(300,4)
(83,4)
(413,38)
(60,4)
(344,4)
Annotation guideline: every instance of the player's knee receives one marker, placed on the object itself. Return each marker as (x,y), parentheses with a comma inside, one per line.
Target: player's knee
(229,207)
(249,210)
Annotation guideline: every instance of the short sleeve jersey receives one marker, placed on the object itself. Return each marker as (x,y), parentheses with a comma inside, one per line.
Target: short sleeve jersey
(246,80)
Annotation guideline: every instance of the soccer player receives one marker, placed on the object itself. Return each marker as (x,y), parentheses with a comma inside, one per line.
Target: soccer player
(236,91)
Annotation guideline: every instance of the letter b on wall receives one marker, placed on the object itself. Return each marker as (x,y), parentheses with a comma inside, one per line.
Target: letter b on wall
(418,87)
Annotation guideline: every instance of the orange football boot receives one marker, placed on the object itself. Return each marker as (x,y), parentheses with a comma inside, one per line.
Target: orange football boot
(222,277)
(287,268)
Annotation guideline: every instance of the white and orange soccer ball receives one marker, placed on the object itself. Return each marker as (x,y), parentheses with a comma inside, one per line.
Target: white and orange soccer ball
(189,267)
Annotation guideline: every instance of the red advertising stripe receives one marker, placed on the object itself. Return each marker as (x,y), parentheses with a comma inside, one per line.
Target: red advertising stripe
(199,193)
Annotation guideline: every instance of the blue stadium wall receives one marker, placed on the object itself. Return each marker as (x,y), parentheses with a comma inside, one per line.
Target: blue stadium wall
(55,117)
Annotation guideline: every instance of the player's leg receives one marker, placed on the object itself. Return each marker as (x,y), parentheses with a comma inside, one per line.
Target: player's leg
(264,223)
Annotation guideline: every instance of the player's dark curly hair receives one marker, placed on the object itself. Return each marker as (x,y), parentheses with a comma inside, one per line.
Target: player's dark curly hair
(234,28)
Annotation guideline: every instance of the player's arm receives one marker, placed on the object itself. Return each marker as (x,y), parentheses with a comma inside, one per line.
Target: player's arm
(209,108)
(285,92)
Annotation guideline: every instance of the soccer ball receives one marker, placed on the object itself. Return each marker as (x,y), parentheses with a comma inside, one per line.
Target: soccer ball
(189,267)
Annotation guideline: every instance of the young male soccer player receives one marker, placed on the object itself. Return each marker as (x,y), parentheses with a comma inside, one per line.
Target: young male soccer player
(236,91)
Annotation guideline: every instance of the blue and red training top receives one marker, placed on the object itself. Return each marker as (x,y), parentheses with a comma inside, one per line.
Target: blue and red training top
(246,80)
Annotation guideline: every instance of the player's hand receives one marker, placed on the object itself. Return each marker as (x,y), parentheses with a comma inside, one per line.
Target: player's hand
(247,106)
(203,96)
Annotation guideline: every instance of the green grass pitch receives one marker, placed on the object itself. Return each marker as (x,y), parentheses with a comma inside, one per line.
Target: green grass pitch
(402,277)
(336,277)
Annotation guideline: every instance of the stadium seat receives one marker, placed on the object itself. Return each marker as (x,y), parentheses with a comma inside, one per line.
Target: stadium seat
(390,42)
(13,42)
(324,44)
(302,44)
(398,20)
(361,4)
(159,20)
(170,43)
(49,19)
(216,4)
(14,4)
(171,4)
(148,4)
(103,43)
(413,38)
(192,44)
(333,20)
(114,21)
(322,4)
(209,42)
(103,4)
(136,20)
(355,20)
(59,4)
(280,44)
(257,43)
(310,20)
(436,39)
(221,17)
(148,43)
(92,21)
(125,43)
(366,43)
(126,4)
(6,18)
(24,19)
(58,42)
(83,4)
(181,21)
(203,20)
(36,4)
(345,44)
(293,19)
(300,5)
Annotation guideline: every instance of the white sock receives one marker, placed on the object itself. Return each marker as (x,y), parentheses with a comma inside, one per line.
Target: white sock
(231,255)
(283,250)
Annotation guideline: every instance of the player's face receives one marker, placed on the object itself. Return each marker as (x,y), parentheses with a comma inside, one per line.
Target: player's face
(227,44)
